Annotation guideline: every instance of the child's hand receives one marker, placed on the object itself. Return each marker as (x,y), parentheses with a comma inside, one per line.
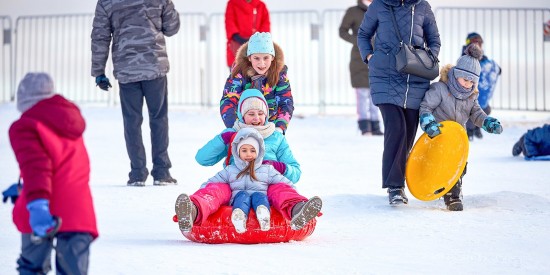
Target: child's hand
(492,125)
(103,82)
(429,125)
(11,193)
(40,218)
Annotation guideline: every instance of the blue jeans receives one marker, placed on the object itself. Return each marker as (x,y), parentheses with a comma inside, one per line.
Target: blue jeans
(243,200)
(71,257)
(132,95)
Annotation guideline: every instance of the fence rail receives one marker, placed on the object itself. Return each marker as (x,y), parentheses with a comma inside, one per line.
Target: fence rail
(316,56)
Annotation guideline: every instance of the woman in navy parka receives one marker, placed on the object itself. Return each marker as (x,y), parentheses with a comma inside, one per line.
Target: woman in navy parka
(397,95)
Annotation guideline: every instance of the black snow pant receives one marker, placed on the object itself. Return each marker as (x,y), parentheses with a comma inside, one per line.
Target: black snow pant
(155,93)
(400,127)
(72,252)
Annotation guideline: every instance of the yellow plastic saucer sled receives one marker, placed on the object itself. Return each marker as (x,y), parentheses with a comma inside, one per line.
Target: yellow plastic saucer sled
(434,165)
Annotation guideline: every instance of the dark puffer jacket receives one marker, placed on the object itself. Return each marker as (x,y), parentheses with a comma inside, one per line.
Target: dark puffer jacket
(388,86)
(359,71)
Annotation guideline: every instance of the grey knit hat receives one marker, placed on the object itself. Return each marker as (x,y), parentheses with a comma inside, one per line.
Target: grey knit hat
(467,66)
(33,88)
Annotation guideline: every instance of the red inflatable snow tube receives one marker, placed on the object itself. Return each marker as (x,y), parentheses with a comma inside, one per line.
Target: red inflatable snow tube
(219,229)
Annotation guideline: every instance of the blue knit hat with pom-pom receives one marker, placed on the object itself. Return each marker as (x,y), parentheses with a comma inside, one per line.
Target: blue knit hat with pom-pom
(260,42)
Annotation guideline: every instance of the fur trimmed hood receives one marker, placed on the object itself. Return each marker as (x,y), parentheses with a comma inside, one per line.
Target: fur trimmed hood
(249,71)
(444,76)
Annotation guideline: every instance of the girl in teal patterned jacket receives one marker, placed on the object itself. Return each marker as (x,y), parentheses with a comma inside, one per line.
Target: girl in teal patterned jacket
(259,65)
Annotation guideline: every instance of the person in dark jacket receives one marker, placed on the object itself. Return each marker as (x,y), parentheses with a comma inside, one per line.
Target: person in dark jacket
(137,30)
(397,95)
(535,144)
(55,201)
(367,112)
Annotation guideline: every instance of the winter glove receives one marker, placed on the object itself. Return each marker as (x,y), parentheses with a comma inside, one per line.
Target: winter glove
(239,39)
(103,82)
(11,193)
(40,218)
(227,136)
(279,166)
(492,125)
(429,125)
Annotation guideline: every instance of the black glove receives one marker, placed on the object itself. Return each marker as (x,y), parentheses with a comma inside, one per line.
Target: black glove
(103,82)
(239,39)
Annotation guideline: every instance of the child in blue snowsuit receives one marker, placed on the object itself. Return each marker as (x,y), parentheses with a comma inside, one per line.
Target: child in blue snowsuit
(535,144)
(488,76)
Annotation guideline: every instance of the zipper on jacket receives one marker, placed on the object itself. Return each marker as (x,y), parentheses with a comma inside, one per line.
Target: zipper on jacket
(410,43)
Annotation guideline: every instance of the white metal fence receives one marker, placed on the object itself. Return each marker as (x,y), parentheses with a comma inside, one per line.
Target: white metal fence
(316,56)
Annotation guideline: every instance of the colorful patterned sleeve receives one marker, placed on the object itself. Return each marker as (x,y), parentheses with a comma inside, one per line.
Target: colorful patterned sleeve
(230,99)
(285,102)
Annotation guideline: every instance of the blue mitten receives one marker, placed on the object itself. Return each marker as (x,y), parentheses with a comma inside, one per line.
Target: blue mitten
(11,193)
(40,218)
(492,125)
(429,125)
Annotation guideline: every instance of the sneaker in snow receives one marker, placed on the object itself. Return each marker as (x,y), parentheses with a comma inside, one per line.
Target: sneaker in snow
(397,196)
(166,181)
(238,218)
(264,217)
(138,183)
(184,212)
(307,213)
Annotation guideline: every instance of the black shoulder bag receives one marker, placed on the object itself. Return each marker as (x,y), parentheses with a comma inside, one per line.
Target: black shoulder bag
(418,61)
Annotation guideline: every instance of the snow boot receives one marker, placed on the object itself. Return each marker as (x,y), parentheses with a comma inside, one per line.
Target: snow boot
(186,211)
(470,133)
(303,212)
(364,126)
(453,198)
(238,218)
(134,182)
(264,217)
(477,133)
(518,147)
(375,125)
(167,181)
(397,196)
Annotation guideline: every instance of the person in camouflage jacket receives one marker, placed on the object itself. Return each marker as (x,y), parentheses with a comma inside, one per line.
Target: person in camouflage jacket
(136,30)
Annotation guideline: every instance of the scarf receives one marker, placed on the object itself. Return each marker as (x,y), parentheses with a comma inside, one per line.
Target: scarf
(257,81)
(457,90)
(265,130)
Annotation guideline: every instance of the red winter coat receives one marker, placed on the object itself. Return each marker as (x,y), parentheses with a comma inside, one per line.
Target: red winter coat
(48,144)
(245,19)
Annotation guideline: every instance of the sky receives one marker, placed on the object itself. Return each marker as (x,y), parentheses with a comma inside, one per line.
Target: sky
(502,230)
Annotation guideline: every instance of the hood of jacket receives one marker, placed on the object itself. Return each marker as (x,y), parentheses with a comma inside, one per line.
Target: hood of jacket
(361,5)
(397,3)
(242,134)
(251,93)
(444,76)
(58,114)
(249,70)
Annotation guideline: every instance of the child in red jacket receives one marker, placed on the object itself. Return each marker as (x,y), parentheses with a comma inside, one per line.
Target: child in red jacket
(55,201)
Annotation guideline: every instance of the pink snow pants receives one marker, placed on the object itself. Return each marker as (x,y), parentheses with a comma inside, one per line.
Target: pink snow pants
(214,195)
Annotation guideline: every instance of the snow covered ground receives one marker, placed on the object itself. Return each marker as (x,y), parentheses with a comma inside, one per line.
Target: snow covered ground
(504,228)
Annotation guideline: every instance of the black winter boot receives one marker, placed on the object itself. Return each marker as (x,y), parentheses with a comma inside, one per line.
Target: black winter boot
(364,126)
(470,133)
(453,198)
(518,147)
(397,196)
(477,133)
(376,128)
